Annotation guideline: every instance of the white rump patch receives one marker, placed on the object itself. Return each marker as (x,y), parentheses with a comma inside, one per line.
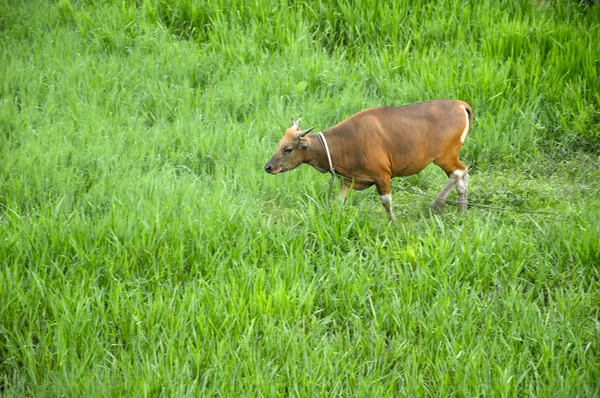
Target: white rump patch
(466,130)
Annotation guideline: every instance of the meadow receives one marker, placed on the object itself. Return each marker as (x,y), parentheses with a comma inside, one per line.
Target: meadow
(145,252)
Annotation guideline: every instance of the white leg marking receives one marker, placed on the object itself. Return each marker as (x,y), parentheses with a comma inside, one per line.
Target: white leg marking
(462,188)
(459,173)
(466,130)
(344,190)
(386,201)
(455,177)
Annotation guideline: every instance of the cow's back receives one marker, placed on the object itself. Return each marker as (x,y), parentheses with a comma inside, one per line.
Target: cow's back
(402,139)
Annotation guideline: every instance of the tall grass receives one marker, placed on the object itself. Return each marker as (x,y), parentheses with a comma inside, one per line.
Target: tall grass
(144,252)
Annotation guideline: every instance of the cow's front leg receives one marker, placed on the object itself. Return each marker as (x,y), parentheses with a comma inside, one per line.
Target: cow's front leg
(384,189)
(344,190)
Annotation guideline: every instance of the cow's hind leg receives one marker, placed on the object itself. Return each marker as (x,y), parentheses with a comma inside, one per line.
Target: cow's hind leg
(462,188)
(440,200)
(456,171)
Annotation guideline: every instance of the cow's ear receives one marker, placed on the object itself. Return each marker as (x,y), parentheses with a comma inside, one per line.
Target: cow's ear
(303,143)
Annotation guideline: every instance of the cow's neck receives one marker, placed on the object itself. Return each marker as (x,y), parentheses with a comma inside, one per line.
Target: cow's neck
(316,155)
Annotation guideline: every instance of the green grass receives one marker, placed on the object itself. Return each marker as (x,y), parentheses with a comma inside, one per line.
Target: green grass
(144,252)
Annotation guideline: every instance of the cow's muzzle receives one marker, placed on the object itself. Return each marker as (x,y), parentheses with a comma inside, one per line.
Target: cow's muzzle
(268,168)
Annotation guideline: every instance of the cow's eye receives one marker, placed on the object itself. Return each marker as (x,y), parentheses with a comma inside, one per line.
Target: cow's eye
(288,150)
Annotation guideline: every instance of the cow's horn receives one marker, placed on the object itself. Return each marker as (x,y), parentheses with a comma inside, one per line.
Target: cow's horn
(297,122)
(304,132)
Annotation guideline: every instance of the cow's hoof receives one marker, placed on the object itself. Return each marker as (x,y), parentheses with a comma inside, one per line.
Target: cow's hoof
(438,206)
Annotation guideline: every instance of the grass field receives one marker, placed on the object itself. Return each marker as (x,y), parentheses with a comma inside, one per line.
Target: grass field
(144,251)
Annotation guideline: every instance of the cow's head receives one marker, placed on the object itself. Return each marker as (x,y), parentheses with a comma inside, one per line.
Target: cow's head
(290,151)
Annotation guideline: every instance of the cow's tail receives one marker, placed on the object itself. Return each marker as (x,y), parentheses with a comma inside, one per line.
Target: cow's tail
(470,113)
(468,121)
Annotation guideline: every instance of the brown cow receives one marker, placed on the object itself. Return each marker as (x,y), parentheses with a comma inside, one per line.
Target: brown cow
(377,144)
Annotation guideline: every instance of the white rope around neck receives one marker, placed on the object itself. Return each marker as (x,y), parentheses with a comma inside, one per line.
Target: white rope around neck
(324,142)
